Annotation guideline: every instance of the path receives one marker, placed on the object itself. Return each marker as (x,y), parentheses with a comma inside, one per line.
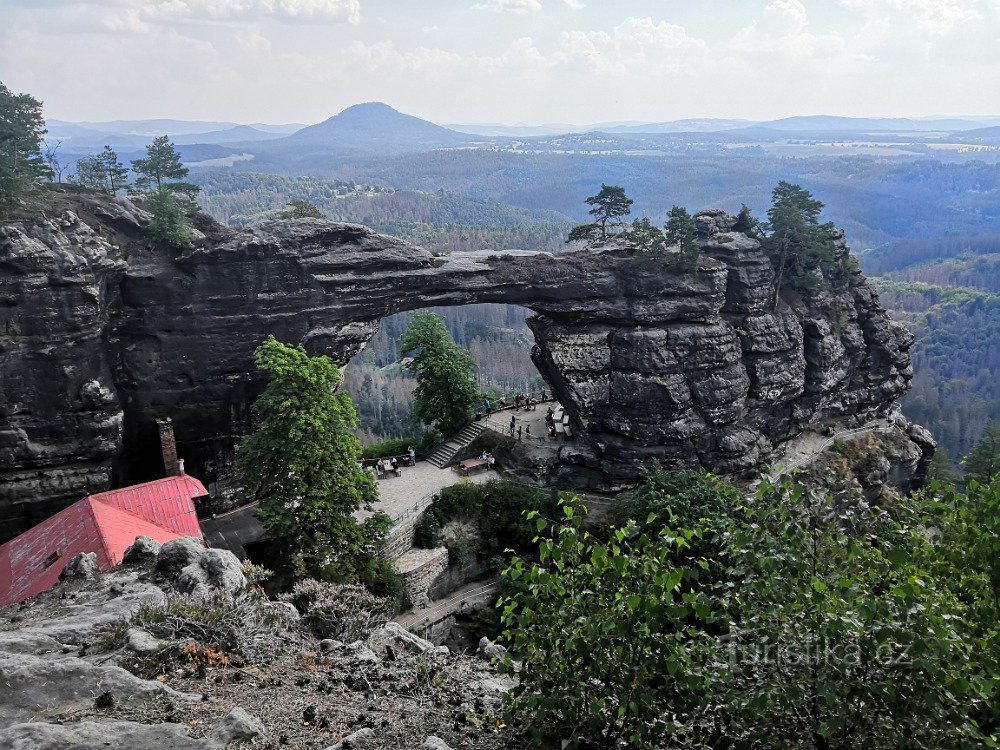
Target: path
(807,447)
(474,596)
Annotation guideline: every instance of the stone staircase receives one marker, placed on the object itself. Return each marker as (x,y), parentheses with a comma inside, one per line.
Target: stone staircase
(445,454)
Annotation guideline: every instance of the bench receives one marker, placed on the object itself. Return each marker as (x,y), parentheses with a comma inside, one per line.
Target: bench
(469,465)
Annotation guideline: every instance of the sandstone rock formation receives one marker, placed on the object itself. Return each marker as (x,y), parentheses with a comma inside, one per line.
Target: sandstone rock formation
(104,333)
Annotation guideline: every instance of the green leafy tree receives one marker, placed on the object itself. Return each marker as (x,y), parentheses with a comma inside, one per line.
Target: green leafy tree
(21,131)
(446,388)
(608,207)
(964,557)
(609,655)
(682,232)
(103,171)
(162,169)
(302,209)
(301,463)
(983,461)
(839,639)
(797,242)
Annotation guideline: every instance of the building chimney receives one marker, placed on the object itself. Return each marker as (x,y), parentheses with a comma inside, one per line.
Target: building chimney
(168,446)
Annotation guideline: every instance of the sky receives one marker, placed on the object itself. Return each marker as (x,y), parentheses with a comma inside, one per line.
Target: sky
(503,61)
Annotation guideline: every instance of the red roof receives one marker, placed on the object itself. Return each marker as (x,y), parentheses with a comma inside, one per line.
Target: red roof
(106,523)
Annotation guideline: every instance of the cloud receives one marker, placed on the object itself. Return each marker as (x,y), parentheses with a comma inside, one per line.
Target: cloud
(636,45)
(509,6)
(935,17)
(574,4)
(782,30)
(323,11)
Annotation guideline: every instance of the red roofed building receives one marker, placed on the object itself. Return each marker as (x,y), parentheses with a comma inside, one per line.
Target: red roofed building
(105,523)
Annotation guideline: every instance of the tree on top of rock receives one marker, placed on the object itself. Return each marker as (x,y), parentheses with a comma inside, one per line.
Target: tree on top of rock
(103,171)
(797,242)
(302,209)
(609,207)
(983,461)
(162,169)
(21,131)
(160,176)
(683,232)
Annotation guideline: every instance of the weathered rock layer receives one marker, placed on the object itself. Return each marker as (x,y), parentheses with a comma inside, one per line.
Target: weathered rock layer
(103,333)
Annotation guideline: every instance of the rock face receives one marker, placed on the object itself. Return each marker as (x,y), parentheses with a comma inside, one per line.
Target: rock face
(103,334)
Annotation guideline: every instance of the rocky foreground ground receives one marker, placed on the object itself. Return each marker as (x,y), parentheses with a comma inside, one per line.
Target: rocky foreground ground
(87,665)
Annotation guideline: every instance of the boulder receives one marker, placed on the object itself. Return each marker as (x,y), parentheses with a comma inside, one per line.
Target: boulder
(395,636)
(83,565)
(36,686)
(190,568)
(142,550)
(490,651)
(238,726)
(435,743)
(141,642)
(100,735)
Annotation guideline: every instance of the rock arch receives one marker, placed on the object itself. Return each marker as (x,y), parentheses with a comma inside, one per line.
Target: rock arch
(650,362)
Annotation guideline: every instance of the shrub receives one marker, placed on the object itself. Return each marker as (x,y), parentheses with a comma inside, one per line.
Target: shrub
(608,659)
(243,625)
(346,611)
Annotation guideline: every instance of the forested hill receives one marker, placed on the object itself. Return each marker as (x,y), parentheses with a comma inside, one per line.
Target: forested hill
(437,220)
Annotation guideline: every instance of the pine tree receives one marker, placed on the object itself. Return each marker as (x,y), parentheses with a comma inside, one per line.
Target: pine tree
(115,172)
(21,130)
(162,169)
(102,171)
(983,461)
(609,207)
(797,242)
(682,231)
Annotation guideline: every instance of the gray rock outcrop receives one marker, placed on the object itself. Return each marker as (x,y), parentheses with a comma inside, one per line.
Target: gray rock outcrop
(83,565)
(188,567)
(100,735)
(650,362)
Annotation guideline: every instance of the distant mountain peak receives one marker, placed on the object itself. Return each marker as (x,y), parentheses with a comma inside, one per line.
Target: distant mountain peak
(378,124)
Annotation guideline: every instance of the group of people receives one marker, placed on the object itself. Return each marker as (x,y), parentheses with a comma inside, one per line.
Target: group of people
(521,429)
(487,457)
(391,465)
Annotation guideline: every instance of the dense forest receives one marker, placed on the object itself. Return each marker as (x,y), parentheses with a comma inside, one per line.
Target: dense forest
(438,220)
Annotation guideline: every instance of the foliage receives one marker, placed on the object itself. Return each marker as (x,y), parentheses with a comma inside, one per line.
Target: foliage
(645,236)
(302,209)
(682,232)
(497,509)
(344,611)
(964,556)
(243,625)
(301,463)
(102,171)
(796,241)
(446,389)
(746,222)
(161,169)
(21,132)
(684,498)
(400,447)
(811,622)
(609,656)
(608,208)
(169,223)
(983,462)
(837,638)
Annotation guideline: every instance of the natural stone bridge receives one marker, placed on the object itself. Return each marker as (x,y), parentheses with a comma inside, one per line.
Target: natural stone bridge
(103,335)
